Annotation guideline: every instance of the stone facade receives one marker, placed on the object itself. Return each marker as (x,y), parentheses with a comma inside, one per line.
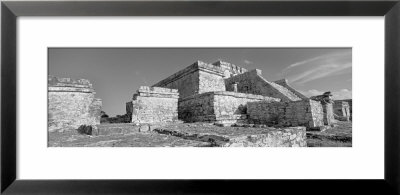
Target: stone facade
(153,104)
(210,82)
(197,78)
(307,113)
(71,103)
(232,107)
(220,106)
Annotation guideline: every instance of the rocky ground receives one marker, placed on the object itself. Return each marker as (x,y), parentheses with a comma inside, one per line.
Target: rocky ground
(338,136)
(202,135)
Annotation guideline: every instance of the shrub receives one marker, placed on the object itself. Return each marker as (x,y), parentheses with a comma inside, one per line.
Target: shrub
(85,129)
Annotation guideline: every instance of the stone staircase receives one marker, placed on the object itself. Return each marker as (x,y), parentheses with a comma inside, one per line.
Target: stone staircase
(283,90)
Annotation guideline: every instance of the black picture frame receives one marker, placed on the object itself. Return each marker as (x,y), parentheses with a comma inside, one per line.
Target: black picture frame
(11,10)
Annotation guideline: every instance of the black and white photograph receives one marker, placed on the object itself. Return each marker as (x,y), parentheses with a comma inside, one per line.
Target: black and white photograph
(199,97)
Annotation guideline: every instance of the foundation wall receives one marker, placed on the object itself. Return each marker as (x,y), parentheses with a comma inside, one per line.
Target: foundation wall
(230,106)
(218,106)
(307,113)
(153,105)
(197,108)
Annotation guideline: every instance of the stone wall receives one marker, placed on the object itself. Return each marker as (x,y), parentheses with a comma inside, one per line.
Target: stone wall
(232,107)
(350,102)
(341,110)
(210,82)
(307,113)
(219,106)
(185,81)
(71,103)
(197,108)
(253,83)
(153,105)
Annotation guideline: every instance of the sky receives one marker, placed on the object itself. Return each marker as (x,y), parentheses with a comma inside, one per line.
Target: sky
(116,73)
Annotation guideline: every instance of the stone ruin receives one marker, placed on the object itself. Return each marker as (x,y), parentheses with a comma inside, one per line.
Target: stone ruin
(326,101)
(153,104)
(71,103)
(342,110)
(226,94)
(220,93)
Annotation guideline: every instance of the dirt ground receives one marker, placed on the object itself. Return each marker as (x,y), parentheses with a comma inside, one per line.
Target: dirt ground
(128,135)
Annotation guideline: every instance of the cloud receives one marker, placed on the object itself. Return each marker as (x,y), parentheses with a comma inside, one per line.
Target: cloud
(316,59)
(302,63)
(337,95)
(247,62)
(320,72)
(319,67)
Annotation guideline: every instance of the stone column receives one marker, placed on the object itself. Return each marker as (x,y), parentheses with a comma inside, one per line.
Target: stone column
(328,113)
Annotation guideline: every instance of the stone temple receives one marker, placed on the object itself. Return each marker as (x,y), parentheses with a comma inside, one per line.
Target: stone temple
(224,93)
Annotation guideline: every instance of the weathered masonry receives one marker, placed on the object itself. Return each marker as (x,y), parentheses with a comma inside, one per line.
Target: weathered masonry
(221,106)
(197,78)
(326,101)
(308,113)
(225,93)
(201,77)
(153,104)
(71,103)
(341,110)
